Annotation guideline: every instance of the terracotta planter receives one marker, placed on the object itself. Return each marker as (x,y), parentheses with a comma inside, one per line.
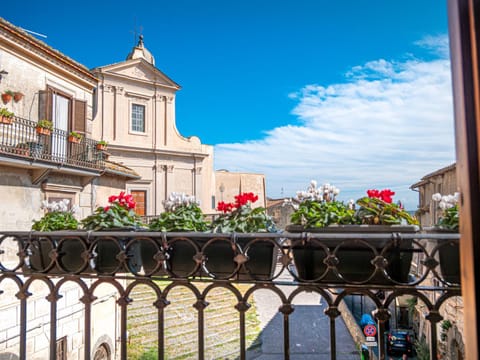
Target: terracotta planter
(354,256)
(6,120)
(218,255)
(6,98)
(74,139)
(21,151)
(101,147)
(17,96)
(43,131)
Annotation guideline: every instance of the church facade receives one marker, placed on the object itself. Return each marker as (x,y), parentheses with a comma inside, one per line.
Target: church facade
(135,114)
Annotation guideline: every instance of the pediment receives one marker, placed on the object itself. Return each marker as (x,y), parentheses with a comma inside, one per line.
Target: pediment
(139,69)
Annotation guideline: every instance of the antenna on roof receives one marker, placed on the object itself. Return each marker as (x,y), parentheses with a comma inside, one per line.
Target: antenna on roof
(34,33)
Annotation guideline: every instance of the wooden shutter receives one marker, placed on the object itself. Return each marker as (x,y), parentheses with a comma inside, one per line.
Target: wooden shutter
(79,121)
(45,104)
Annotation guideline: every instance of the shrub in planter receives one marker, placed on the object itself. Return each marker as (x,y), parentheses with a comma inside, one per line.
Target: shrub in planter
(182,213)
(448,252)
(59,217)
(119,215)
(318,211)
(6,117)
(241,217)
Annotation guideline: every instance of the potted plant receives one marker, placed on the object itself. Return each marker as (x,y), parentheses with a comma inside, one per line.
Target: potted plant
(261,254)
(119,215)
(22,149)
(7,96)
(17,96)
(74,137)
(6,117)
(182,213)
(341,260)
(58,217)
(44,127)
(448,252)
(101,145)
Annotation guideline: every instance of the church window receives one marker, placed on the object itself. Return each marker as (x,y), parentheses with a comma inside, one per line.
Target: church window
(138,118)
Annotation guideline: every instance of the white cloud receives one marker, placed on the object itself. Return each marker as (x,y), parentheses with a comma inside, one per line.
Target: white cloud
(388,125)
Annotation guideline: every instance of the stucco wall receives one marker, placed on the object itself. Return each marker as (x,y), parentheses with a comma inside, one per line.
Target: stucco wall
(29,77)
(228,184)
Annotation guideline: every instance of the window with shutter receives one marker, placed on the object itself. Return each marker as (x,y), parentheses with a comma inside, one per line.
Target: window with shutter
(79,116)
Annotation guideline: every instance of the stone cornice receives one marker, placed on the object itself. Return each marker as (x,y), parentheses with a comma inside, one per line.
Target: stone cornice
(136,150)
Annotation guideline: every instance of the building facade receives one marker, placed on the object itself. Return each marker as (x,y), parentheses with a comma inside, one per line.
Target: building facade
(451,334)
(136,116)
(36,167)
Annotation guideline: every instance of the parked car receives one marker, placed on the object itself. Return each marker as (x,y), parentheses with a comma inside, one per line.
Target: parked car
(400,341)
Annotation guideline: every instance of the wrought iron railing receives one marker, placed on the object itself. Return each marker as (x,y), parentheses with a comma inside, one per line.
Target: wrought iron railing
(323,263)
(21,140)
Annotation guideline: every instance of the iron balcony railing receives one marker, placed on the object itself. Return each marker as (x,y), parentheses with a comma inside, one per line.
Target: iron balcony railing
(20,139)
(322,263)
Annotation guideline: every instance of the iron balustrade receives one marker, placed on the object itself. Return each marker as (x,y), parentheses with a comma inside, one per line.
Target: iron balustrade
(127,259)
(21,140)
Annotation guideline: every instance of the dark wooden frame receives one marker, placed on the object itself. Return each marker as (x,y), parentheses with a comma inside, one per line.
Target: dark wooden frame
(464,32)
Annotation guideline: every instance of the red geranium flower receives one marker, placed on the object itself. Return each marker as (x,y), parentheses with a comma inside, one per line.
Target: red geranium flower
(385,195)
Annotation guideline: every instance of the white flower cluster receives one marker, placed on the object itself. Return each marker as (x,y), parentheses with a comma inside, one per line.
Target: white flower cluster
(61,206)
(446,201)
(178,199)
(326,192)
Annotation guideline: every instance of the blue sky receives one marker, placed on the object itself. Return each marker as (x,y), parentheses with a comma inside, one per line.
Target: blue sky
(354,93)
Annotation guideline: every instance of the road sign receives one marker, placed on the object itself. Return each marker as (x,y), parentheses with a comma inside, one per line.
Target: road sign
(370,338)
(371,343)
(370,330)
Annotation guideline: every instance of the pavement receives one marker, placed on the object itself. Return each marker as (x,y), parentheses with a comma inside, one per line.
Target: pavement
(309,328)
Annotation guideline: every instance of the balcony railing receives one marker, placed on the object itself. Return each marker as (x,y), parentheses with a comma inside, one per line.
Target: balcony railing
(203,262)
(21,140)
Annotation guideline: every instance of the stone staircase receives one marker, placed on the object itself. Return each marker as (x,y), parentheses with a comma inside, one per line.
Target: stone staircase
(222,335)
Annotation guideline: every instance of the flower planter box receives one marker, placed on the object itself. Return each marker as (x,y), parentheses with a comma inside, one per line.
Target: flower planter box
(74,139)
(219,257)
(354,256)
(100,147)
(6,120)
(448,256)
(70,249)
(21,151)
(43,131)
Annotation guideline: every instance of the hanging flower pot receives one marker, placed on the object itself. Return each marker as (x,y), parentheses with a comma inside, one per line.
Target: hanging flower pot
(7,96)
(17,96)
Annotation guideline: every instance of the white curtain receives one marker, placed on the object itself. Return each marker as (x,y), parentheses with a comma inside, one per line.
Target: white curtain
(60,121)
